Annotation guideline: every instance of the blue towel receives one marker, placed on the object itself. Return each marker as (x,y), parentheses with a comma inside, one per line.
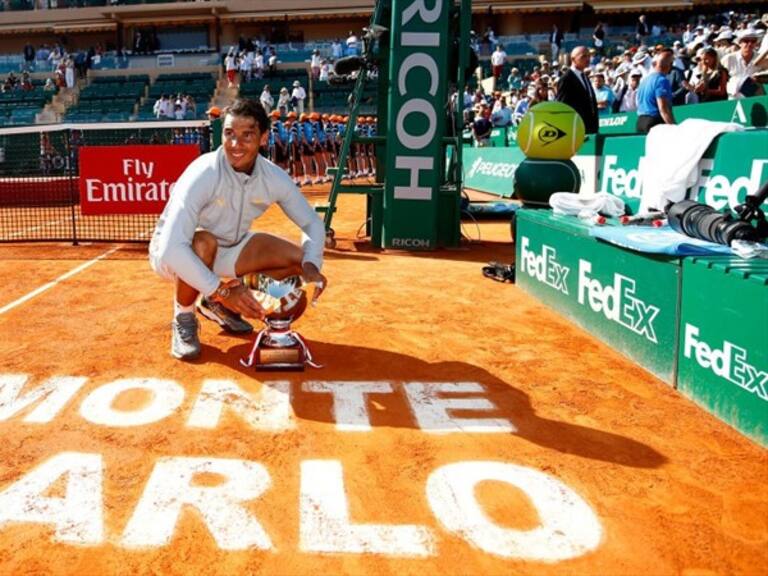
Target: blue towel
(661,240)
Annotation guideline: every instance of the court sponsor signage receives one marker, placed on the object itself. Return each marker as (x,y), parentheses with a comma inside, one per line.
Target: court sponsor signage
(543,266)
(749,112)
(417,95)
(620,174)
(738,168)
(728,361)
(492,170)
(726,174)
(130,179)
(617,301)
(723,356)
(627,299)
(567,526)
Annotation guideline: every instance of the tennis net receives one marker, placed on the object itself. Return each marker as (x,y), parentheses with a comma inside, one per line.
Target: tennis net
(39,179)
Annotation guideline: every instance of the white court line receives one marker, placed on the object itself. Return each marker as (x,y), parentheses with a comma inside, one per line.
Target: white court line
(53,283)
(40,227)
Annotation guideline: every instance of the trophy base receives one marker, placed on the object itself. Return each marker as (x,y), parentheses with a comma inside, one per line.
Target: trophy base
(279,349)
(287,358)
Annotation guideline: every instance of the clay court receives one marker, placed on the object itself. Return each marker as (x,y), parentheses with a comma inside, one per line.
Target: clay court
(572,459)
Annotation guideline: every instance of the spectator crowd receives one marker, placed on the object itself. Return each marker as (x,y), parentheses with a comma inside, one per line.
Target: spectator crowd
(726,58)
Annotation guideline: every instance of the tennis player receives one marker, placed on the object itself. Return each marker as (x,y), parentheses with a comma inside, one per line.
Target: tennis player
(203,240)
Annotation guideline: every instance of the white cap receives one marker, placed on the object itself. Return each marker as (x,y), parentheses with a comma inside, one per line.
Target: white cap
(748,33)
(724,35)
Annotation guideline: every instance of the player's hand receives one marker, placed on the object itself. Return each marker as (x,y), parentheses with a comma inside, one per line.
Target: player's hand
(242,301)
(310,273)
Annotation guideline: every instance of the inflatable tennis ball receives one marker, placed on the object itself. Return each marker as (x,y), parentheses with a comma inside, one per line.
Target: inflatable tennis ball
(537,180)
(550,131)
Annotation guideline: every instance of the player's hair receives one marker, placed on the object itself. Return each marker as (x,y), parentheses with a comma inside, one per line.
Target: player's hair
(249,108)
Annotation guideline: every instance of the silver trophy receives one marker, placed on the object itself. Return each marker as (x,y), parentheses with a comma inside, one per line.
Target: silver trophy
(277,345)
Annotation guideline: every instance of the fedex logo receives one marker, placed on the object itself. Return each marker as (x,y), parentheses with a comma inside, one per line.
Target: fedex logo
(620,181)
(617,302)
(729,362)
(720,192)
(544,267)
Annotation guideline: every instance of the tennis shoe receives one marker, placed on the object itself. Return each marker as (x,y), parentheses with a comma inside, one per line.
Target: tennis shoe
(230,321)
(185,342)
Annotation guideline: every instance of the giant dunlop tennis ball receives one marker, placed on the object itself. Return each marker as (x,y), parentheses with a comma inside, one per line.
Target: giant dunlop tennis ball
(537,180)
(550,131)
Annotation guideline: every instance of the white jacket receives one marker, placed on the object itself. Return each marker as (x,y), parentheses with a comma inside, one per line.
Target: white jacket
(210,195)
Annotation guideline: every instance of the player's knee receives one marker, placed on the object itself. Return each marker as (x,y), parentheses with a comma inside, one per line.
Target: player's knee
(204,244)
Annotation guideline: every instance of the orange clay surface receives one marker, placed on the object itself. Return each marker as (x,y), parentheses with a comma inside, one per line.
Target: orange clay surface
(675,490)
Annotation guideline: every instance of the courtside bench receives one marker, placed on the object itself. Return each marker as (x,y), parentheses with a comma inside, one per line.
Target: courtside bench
(699,324)
(627,299)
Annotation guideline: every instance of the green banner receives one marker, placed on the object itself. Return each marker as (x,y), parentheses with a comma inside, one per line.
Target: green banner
(734,166)
(626,299)
(620,171)
(751,112)
(417,78)
(739,167)
(723,358)
(492,170)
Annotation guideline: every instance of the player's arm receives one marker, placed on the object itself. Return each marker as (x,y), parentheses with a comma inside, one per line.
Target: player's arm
(301,213)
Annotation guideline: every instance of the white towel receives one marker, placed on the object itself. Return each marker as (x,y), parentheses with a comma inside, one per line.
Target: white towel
(585,206)
(672,156)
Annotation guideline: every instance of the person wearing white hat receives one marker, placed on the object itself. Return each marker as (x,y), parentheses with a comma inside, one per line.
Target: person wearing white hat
(626,99)
(642,60)
(298,96)
(743,65)
(723,43)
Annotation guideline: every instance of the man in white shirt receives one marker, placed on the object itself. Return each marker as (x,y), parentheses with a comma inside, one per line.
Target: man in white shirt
(230,65)
(266,99)
(315,63)
(298,96)
(498,59)
(203,241)
(742,65)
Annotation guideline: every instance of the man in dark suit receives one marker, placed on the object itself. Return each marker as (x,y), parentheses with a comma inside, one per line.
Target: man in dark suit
(575,89)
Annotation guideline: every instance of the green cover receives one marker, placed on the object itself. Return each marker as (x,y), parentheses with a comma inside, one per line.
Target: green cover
(626,299)
(723,360)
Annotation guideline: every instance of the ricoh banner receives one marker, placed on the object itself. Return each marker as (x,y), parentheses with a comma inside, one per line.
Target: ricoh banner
(417,95)
(130,179)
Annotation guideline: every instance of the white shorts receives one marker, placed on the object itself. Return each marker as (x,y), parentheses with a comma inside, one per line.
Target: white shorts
(223,265)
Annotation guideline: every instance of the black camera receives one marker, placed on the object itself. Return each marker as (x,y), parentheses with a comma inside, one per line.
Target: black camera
(705,223)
